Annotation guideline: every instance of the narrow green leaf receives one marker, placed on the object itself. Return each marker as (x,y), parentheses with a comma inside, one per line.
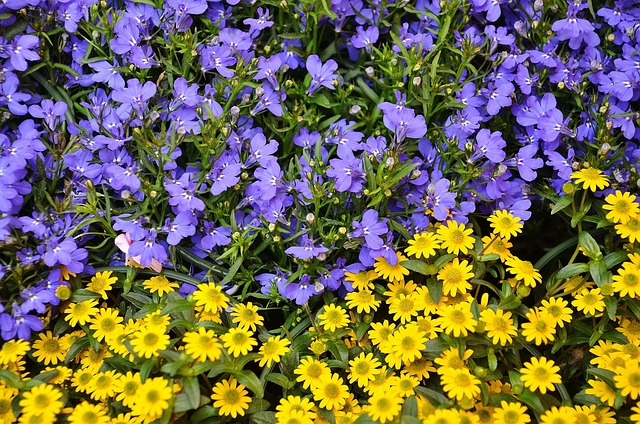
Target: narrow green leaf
(562,203)
(192,390)
(612,306)
(589,245)
(571,270)
(232,271)
(418,266)
(599,272)
(251,381)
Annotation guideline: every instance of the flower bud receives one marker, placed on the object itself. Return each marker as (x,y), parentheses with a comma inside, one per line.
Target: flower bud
(310,218)
(417,81)
(355,109)
(63,292)
(272,227)
(369,71)
(523,291)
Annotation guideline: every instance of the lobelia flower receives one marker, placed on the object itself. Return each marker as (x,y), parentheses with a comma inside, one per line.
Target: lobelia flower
(306,140)
(498,36)
(498,96)
(34,224)
(490,145)
(181,227)
(215,236)
(49,111)
(322,75)
(270,100)
(348,173)
(257,25)
(107,73)
(575,29)
(261,151)
(348,141)
(58,251)
(21,324)
(124,242)
(11,97)
(142,57)
(405,124)
(302,291)
(307,249)
(272,283)
(561,164)
(269,180)
(524,81)
(371,228)
(225,173)
(526,163)
(135,94)
(147,250)
(36,298)
(267,69)
(183,9)
(22,49)
(183,194)
(127,35)
(440,199)
(365,38)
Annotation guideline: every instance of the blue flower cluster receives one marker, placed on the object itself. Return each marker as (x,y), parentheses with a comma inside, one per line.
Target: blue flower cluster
(203,124)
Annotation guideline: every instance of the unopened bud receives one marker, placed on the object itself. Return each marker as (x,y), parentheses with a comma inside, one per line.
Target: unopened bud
(153,194)
(604,149)
(417,81)
(259,91)
(342,230)
(272,227)
(611,37)
(390,162)
(310,218)
(355,109)
(369,71)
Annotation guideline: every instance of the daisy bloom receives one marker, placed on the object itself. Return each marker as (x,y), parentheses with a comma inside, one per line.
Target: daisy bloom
(457,319)
(361,280)
(397,288)
(13,351)
(6,409)
(630,230)
(628,380)
(627,281)
(540,327)
(455,238)
(41,401)
(511,413)
(391,272)
(148,341)
(380,333)
(555,415)
(231,398)
(238,341)
(159,284)
(460,383)
(126,388)
(331,393)
(311,372)
(50,349)
(404,307)
(274,348)
(621,206)
(405,345)
(499,246)
(505,224)
(82,379)
(210,297)
(202,345)
(104,322)
(85,413)
(333,317)
(422,245)
(523,271)
(585,414)
(499,326)
(81,312)
(419,368)
(455,276)
(384,406)
(152,399)
(295,404)
(246,316)
(363,368)
(103,385)
(101,283)
(590,302)
(602,391)
(591,179)
(362,301)
(540,374)
(558,309)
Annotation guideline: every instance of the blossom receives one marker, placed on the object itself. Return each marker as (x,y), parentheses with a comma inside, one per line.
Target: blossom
(371,228)
(322,75)
(22,49)
(124,242)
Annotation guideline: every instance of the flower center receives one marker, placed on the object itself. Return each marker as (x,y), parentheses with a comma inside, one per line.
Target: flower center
(231,397)
(150,339)
(332,390)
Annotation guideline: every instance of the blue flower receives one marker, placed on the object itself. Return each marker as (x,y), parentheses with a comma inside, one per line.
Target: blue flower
(307,249)
(322,75)
(371,228)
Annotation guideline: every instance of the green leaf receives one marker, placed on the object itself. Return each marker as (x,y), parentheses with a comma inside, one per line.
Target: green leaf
(604,375)
(493,361)
(367,91)
(612,306)
(251,381)
(138,299)
(177,305)
(339,350)
(410,406)
(435,289)
(365,419)
(589,245)
(634,305)
(191,389)
(181,403)
(280,379)
(571,270)
(146,368)
(599,272)
(232,271)
(265,417)
(562,203)
(11,379)
(615,258)
(533,400)
(320,100)
(78,346)
(203,413)
(509,302)
(419,267)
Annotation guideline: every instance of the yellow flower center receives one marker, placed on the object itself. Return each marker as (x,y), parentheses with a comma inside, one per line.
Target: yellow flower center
(41,401)
(90,417)
(103,381)
(130,387)
(463,380)
(634,379)
(590,299)
(231,397)
(51,346)
(334,316)
(511,417)
(383,404)
(405,305)
(457,317)
(541,373)
(453,276)
(5,406)
(314,371)
(500,324)
(150,339)
(85,378)
(239,338)
(631,280)
(205,342)
(153,396)
(331,390)
(408,343)
(80,308)
(622,206)
(456,236)
(108,324)
(362,368)
(541,325)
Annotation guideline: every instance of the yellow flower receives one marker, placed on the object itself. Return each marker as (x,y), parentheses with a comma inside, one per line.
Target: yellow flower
(231,398)
(499,326)
(457,319)
(362,301)
(602,391)
(82,379)
(361,280)
(455,276)
(405,345)
(398,288)
(42,401)
(331,393)
(238,341)
(540,327)
(384,406)
(505,224)
(272,350)
(126,388)
(628,380)
(627,282)
(391,272)
(105,322)
(540,374)
(590,302)
(103,385)
(6,409)
(363,368)
(246,316)
(80,313)
(511,413)
(585,414)
(523,271)
(558,309)
(159,284)
(311,372)
(460,383)
(295,405)
(422,245)
(13,351)
(455,238)
(152,399)
(591,179)
(630,230)
(148,341)
(497,245)
(87,413)
(210,297)
(555,415)
(333,317)
(101,283)
(404,307)
(380,333)
(50,349)
(419,368)
(154,319)
(621,206)
(202,345)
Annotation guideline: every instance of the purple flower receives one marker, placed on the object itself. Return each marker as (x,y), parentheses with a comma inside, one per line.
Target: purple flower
(135,94)
(371,228)
(272,283)
(307,249)
(181,227)
(257,25)
(321,75)
(498,96)
(365,38)
(490,145)
(405,124)
(184,94)
(347,140)
(34,224)
(440,199)
(526,163)
(269,179)
(22,49)
(261,151)
(348,173)
(270,100)
(267,69)
(215,236)
(11,97)
(59,252)
(225,173)
(301,292)
(148,250)
(21,324)
(107,73)
(49,111)
(127,36)
(36,299)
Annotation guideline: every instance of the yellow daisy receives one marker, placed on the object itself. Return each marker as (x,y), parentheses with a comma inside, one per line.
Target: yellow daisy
(152,399)
(540,374)
(159,284)
(457,320)
(272,350)
(202,345)
(384,406)
(630,230)
(505,224)
(591,179)
(231,398)
(81,312)
(558,309)
(523,271)
(148,341)
(455,277)
(361,280)
(460,383)
(363,301)
(333,317)
(101,283)
(391,272)
(455,238)
(246,316)
(590,302)
(210,297)
(331,393)
(511,413)
(311,372)
(50,349)
(499,326)
(422,245)
(363,368)
(540,327)
(621,206)
(238,341)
